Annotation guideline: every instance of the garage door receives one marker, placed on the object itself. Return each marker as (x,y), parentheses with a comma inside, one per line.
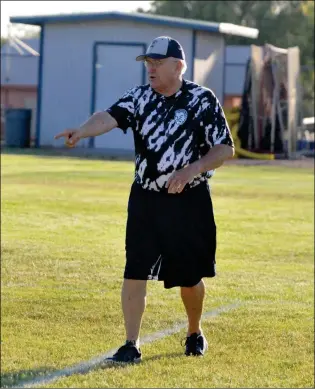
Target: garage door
(116,72)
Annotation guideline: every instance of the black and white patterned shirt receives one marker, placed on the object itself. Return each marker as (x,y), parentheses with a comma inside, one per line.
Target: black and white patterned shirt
(171,132)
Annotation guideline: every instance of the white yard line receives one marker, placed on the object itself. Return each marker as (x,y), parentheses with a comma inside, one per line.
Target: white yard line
(85,367)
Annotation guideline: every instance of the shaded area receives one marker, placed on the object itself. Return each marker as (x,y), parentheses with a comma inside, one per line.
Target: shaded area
(12,379)
(42,375)
(77,152)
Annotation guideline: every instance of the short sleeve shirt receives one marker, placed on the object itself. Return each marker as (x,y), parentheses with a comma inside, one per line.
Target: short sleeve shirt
(171,132)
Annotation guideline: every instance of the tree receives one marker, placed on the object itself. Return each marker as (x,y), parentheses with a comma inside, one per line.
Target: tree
(308,75)
(280,23)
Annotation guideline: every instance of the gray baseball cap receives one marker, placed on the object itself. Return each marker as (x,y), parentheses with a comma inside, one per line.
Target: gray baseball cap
(163,47)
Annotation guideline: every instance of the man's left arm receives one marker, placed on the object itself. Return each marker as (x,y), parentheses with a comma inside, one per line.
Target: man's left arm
(218,140)
(214,158)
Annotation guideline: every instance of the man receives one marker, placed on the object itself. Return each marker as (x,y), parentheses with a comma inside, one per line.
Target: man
(181,136)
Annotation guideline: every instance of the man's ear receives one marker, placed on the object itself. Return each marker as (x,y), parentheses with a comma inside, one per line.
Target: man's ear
(178,67)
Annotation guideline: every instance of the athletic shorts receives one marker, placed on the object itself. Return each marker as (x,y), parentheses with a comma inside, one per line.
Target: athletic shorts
(170,237)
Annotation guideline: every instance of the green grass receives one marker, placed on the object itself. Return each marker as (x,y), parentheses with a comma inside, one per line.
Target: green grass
(62,246)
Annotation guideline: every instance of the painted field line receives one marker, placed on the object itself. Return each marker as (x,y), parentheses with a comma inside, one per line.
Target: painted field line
(85,367)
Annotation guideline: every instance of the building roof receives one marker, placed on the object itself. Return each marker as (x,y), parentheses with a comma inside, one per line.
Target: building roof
(199,25)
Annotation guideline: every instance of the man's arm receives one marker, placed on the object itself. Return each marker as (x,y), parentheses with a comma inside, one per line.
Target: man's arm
(120,114)
(214,158)
(99,123)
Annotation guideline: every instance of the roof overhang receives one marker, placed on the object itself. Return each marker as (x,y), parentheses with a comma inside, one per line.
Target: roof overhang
(198,25)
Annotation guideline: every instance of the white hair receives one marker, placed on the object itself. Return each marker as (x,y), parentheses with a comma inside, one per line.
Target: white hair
(184,66)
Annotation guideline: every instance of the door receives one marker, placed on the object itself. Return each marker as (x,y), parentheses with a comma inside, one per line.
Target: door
(116,71)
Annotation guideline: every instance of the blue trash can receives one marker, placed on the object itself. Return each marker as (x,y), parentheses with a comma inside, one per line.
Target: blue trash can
(302,144)
(18,127)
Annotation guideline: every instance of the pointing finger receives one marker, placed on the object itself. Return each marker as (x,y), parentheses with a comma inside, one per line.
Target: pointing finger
(66,134)
(60,135)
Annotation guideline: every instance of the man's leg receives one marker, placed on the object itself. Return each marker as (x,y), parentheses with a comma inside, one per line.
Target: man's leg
(133,300)
(193,301)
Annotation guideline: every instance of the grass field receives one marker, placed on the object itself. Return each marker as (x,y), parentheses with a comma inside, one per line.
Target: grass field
(62,246)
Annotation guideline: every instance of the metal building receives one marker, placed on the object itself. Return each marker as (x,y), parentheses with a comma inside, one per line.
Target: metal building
(88,61)
(19,74)
(236,58)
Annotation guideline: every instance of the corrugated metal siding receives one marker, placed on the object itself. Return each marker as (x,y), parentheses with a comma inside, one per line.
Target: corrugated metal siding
(209,62)
(67,67)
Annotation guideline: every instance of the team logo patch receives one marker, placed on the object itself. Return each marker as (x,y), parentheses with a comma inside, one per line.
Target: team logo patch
(180,116)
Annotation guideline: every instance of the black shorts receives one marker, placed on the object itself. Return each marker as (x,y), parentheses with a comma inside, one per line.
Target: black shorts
(170,237)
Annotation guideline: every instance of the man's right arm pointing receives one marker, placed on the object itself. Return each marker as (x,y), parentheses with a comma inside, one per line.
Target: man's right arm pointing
(99,123)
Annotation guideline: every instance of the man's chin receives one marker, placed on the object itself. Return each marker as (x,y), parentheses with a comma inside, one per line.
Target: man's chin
(156,86)
(154,83)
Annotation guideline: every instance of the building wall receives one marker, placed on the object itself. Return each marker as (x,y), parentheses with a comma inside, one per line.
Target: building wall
(209,62)
(237,54)
(236,58)
(16,96)
(19,80)
(67,67)
(19,69)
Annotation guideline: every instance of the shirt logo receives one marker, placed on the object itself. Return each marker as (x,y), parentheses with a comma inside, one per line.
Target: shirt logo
(180,116)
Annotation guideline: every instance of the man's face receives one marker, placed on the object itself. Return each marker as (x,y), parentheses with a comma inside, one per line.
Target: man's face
(162,73)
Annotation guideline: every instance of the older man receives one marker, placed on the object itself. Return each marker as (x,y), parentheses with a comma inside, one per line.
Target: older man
(181,136)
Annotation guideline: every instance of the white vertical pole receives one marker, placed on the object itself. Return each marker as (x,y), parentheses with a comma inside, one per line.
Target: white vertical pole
(273,118)
(7,68)
(8,58)
(275,101)
(256,62)
(293,80)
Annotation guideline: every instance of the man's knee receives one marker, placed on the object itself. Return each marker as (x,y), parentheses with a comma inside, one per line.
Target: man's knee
(191,287)
(134,287)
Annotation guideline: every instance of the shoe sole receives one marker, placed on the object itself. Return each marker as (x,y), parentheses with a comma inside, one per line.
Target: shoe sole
(135,361)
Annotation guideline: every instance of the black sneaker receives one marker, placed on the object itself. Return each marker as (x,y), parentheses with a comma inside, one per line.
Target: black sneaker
(127,353)
(196,344)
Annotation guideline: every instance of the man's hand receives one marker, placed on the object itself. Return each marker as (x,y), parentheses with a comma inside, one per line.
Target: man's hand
(180,178)
(71,136)
(212,160)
